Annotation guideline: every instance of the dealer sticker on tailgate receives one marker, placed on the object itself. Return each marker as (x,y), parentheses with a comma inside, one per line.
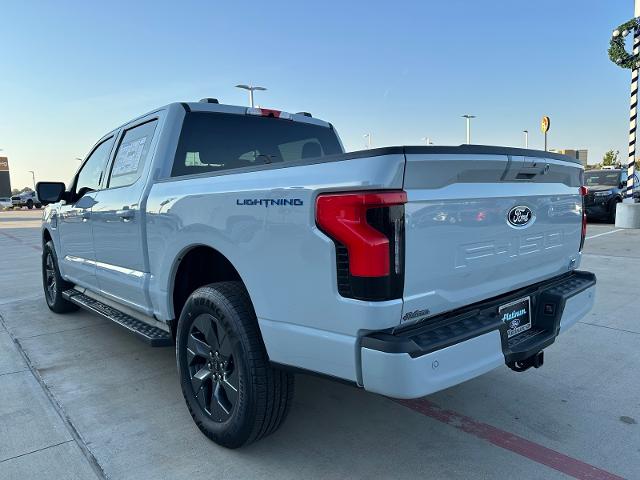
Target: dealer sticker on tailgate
(517,316)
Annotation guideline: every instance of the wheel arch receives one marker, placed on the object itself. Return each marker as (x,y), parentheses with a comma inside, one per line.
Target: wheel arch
(195,266)
(46,236)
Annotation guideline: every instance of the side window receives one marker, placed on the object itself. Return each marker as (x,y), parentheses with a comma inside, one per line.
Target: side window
(90,176)
(132,155)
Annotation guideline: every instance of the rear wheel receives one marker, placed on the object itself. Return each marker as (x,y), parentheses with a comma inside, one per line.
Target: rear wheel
(53,283)
(233,394)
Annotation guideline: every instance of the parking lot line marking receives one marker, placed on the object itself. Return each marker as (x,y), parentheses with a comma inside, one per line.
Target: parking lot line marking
(509,441)
(604,233)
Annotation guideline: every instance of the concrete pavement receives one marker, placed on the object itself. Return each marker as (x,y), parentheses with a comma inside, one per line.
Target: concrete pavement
(82,398)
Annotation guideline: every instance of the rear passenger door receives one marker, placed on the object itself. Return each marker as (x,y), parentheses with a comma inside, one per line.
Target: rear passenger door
(118,219)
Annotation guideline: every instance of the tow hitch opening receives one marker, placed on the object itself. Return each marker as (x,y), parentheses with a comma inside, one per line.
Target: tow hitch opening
(536,360)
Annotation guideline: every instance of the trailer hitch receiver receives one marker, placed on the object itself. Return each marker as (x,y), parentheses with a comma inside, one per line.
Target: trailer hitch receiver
(535,360)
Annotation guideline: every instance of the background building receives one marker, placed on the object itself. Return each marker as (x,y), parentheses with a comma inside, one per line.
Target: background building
(578,154)
(5,180)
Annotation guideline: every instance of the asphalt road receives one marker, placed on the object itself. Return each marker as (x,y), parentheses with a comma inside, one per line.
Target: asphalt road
(81,398)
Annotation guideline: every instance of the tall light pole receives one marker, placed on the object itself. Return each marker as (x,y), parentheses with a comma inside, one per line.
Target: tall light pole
(368,137)
(526,138)
(33,176)
(468,118)
(251,89)
(427,141)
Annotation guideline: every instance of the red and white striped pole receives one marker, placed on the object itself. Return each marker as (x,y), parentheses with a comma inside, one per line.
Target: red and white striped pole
(633,113)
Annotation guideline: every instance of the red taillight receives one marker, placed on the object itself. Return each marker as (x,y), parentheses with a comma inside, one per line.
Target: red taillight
(343,216)
(583,193)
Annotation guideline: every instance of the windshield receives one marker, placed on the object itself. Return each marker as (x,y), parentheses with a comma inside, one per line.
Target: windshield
(212,142)
(610,178)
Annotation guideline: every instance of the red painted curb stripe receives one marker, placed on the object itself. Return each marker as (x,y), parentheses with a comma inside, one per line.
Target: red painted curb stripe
(509,441)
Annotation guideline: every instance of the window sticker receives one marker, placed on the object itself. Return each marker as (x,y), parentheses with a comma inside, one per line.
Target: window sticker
(128,158)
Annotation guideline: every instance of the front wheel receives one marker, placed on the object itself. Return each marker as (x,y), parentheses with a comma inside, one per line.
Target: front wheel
(234,395)
(53,282)
(30,204)
(612,213)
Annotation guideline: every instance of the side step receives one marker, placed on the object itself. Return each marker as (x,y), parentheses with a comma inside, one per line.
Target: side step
(154,336)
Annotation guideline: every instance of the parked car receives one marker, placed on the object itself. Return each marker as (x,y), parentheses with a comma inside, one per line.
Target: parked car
(606,188)
(27,199)
(251,238)
(5,202)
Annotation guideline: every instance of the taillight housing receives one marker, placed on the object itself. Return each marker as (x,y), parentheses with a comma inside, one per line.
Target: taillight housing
(368,231)
(583,193)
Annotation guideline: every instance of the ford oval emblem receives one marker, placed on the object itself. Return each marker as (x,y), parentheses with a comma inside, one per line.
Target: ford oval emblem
(520,216)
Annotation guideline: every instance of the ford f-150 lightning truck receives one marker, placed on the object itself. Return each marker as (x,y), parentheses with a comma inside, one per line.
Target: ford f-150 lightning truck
(252,241)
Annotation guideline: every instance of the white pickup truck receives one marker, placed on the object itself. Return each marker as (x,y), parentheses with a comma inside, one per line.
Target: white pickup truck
(250,238)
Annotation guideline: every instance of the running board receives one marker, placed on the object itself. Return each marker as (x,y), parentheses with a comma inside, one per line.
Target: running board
(154,336)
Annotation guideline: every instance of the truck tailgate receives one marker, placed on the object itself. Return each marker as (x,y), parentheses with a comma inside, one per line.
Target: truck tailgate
(461,247)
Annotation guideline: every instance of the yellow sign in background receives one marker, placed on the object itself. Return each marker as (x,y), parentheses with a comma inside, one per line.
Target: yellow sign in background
(545,124)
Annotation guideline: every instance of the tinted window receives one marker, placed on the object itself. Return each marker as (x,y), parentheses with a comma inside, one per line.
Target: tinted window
(132,155)
(602,177)
(92,171)
(211,142)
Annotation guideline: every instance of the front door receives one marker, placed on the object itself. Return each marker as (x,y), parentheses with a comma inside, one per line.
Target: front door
(118,221)
(76,253)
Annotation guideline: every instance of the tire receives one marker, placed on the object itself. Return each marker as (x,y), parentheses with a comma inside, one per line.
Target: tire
(30,204)
(53,283)
(612,213)
(234,395)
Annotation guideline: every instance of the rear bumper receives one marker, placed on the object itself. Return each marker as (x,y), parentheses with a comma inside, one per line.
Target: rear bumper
(449,349)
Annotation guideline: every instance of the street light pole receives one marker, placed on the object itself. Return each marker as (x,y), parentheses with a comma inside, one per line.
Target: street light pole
(33,176)
(368,137)
(251,89)
(468,118)
(526,138)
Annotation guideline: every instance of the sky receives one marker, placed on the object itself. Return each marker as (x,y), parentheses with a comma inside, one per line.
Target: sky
(401,70)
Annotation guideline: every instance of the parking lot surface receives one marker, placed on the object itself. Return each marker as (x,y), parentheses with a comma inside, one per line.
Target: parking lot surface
(82,398)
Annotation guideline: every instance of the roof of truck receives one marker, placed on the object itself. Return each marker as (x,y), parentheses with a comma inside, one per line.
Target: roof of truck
(203,106)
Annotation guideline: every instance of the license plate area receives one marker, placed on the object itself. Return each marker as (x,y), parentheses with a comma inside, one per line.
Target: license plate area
(516,316)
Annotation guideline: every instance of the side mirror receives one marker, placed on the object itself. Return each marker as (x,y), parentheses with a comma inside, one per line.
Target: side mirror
(50,192)
(622,185)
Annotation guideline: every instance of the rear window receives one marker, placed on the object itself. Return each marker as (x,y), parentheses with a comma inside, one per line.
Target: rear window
(212,142)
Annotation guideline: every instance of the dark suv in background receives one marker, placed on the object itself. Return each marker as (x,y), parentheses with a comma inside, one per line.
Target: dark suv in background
(606,190)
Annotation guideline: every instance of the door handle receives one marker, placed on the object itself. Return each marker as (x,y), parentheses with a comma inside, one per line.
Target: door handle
(125,214)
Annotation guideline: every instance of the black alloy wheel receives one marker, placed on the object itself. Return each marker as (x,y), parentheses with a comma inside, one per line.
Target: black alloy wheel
(53,283)
(50,283)
(233,393)
(212,367)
